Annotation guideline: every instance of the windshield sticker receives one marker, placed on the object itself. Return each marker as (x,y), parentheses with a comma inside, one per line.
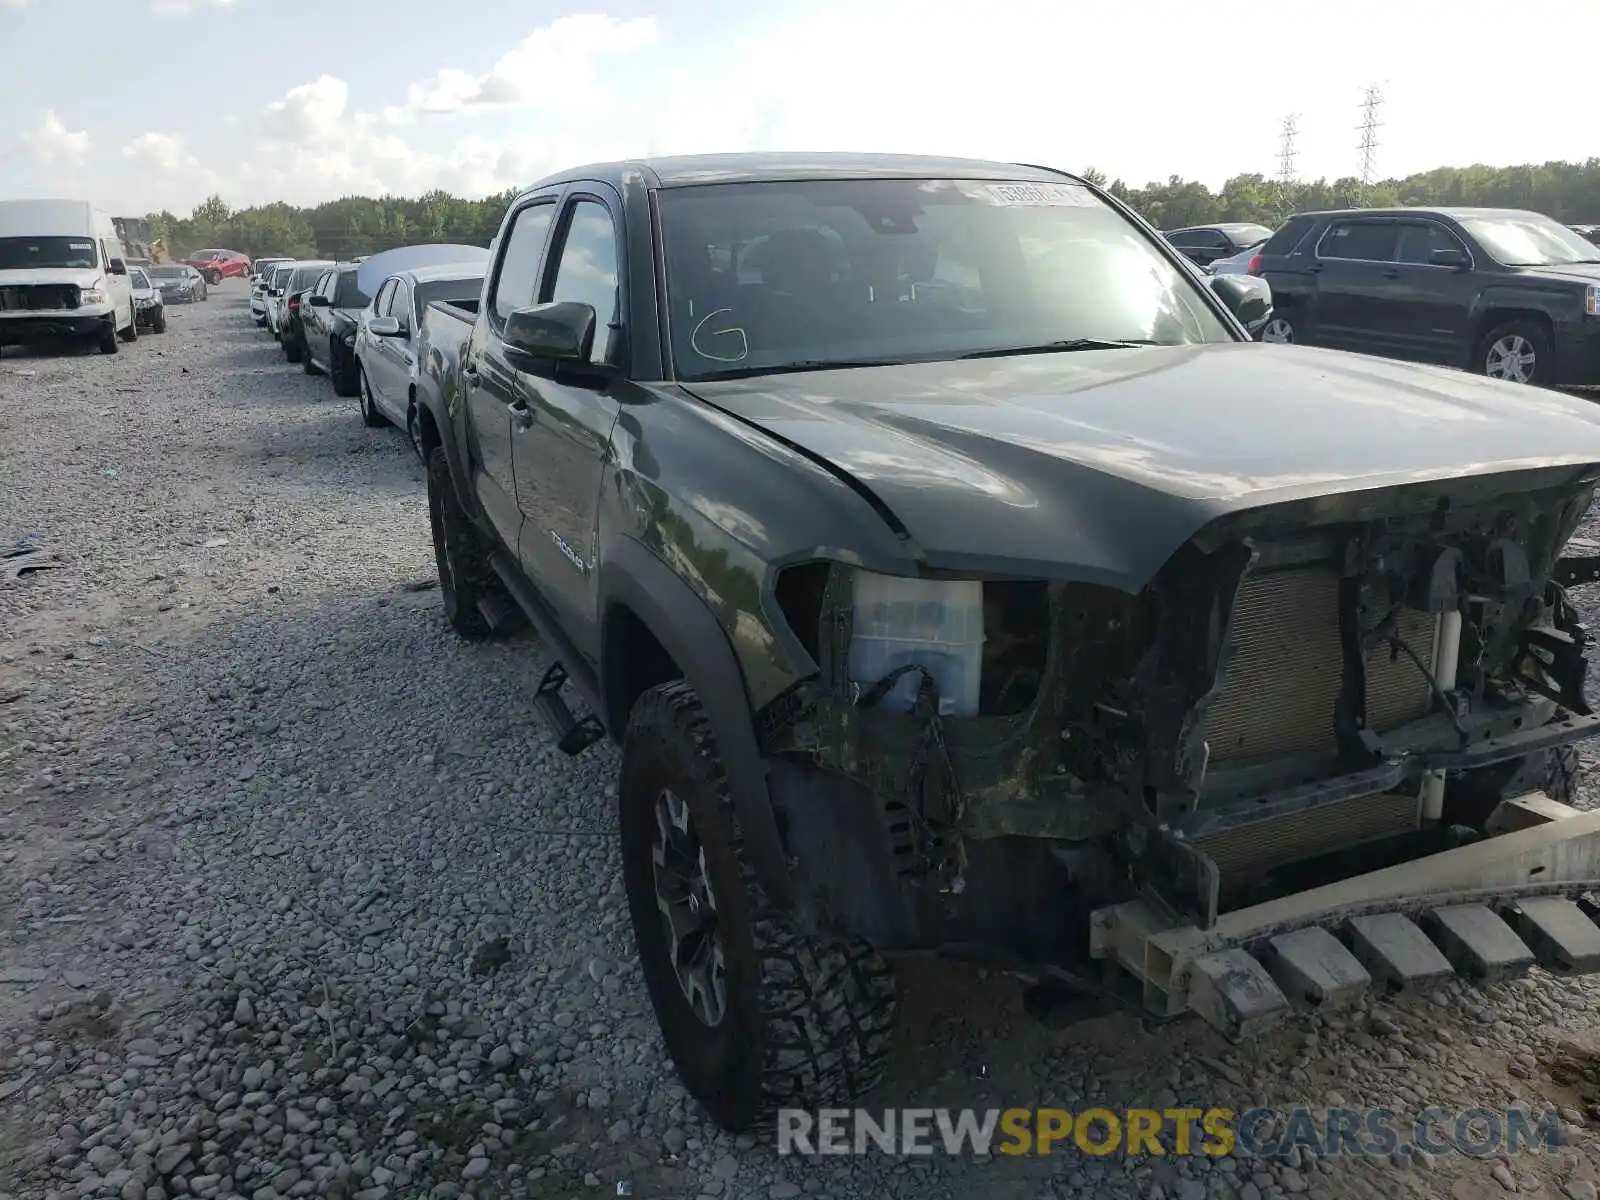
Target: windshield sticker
(80,245)
(1040,195)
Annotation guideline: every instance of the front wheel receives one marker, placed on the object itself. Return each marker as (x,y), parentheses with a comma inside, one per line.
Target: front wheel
(159,325)
(306,365)
(1518,352)
(291,347)
(1279,330)
(371,414)
(755,1015)
(110,339)
(131,333)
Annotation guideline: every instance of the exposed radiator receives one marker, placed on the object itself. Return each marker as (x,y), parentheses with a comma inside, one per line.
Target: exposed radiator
(1283,683)
(1256,849)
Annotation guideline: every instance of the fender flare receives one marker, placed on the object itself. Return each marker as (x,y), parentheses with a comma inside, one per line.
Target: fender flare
(430,402)
(633,576)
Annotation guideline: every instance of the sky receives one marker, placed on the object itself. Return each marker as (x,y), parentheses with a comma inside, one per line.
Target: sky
(141,105)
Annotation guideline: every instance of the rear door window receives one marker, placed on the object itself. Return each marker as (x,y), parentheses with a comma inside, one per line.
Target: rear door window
(518,277)
(1360,241)
(1289,236)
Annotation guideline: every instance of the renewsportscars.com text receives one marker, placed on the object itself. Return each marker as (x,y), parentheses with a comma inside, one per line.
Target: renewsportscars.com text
(1255,1133)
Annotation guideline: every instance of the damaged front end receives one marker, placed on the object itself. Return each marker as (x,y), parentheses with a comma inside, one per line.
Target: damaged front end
(1316,715)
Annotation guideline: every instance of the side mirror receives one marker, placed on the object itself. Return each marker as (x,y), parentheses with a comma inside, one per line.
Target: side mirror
(1451,257)
(385,327)
(319,301)
(561,332)
(118,267)
(1248,297)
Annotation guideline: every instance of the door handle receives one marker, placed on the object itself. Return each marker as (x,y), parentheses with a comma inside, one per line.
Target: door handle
(1392,273)
(521,415)
(1314,267)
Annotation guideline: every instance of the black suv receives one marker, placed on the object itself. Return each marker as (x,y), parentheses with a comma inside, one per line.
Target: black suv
(1503,292)
(1205,244)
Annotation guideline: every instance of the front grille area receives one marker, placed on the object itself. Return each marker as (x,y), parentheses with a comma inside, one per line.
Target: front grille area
(1283,682)
(38,297)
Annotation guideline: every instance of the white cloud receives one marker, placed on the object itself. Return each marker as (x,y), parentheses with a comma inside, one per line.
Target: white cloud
(160,152)
(182,8)
(555,66)
(17,4)
(51,141)
(309,115)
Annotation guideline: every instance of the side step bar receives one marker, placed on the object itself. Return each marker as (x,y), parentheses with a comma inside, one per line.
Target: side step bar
(1486,912)
(573,735)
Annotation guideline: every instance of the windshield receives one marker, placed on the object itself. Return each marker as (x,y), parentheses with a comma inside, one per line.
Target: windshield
(447,289)
(25,253)
(348,294)
(1244,236)
(304,277)
(169,272)
(835,272)
(138,278)
(281,276)
(1530,240)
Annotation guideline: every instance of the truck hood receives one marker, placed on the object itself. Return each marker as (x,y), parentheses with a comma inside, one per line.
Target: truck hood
(1098,465)
(77,276)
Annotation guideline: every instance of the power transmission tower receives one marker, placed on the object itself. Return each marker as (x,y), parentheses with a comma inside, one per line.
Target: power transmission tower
(1371,102)
(1286,171)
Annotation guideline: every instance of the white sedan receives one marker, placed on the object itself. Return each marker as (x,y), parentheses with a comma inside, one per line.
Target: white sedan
(1237,264)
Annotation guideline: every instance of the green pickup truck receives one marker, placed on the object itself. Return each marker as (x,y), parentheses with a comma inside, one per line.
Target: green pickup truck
(957,575)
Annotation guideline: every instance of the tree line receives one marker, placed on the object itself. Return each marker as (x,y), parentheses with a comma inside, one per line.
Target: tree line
(354,225)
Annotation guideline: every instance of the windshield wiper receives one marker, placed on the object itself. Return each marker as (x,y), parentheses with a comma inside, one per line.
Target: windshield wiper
(794,368)
(1062,347)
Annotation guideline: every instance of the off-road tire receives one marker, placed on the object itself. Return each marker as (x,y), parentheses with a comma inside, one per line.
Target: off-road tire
(461,554)
(809,1020)
(110,339)
(371,415)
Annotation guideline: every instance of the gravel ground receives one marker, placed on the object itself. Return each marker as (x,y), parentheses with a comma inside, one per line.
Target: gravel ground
(297,899)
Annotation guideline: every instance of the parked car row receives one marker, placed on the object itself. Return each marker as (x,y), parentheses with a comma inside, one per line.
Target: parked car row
(356,322)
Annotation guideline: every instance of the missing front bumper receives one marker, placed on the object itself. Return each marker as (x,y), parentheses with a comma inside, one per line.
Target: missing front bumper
(1487,911)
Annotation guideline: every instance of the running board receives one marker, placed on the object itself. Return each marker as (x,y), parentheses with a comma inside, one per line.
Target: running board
(1486,912)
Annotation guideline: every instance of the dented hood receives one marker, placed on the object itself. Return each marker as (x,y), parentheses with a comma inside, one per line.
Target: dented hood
(1098,465)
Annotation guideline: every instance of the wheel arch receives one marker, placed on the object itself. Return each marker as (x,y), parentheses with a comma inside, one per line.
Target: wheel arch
(1497,314)
(638,593)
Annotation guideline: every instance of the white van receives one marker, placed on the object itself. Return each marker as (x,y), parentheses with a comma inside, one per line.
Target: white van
(62,275)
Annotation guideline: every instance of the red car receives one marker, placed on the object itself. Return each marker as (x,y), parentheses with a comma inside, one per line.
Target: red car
(217,265)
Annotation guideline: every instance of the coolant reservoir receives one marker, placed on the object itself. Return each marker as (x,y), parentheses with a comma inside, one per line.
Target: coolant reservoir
(936,624)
